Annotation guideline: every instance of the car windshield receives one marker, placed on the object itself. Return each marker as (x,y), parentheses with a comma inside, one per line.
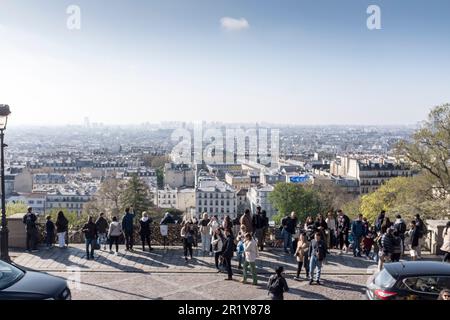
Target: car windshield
(384,279)
(9,275)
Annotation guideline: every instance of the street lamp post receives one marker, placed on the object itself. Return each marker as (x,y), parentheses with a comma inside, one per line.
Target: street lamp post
(4,113)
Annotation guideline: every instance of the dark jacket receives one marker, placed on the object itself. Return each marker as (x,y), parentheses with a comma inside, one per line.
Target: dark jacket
(62,224)
(49,227)
(102,225)
(90,231)
(227,251)
(358,229)
(289,224)
(127,222)
(379,222)
(283,287)
(258,221)
(167,220)
(317,248)
(30,222)
(145,227)
(414,237)
(388,243)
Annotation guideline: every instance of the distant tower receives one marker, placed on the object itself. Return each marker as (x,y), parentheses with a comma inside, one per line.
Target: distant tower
(87,123)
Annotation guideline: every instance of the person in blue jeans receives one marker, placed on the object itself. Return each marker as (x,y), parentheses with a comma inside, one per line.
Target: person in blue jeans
(90,235)
(288,223)
(128,228)
(357,231)
(317,253)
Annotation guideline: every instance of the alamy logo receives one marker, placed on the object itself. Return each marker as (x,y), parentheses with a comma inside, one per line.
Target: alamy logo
(374,20)
(74,18)
(229,145)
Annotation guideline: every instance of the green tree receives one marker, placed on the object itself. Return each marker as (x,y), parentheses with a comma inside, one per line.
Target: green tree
(14,208)
(137,194)
(107,198)
(160,177)
(288,197)
(429,149)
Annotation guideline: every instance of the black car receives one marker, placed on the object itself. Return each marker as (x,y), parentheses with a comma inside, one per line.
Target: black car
(18,284)
(412,280)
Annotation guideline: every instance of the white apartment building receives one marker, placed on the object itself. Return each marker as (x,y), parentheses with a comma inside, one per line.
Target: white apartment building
(259,196)
(166,198)
(216,198)
(71,200)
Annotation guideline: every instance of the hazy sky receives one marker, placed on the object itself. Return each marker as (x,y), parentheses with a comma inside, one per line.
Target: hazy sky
(284,61)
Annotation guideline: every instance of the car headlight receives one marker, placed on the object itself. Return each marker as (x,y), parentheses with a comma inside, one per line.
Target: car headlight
(66,295)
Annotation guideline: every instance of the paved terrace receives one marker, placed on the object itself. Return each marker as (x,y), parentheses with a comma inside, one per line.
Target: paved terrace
(163,274)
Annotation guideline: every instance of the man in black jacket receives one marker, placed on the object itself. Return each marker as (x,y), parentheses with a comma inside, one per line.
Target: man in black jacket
(227,253)
(317,253)
(30,220)
(343,230)
(102,230)
(289,223)
(258,223)
(90,234)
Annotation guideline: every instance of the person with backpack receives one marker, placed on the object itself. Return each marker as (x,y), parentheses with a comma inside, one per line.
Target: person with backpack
(400,227)
(446,243)
(317,253)
(227,253)
(187,234)
(395,257)
(145,231)
(381,241)
(102,229)
(90,235)
(49,232)
(343,229)
(114,233)
(302,255)
(30,222)
(358,233)
(205,233)
(251,253)
(128,228)
(62,227)
(277,285)
(423,232)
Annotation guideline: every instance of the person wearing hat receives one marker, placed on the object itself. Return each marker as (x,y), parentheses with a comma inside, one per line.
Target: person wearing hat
(30,222)
(277,285)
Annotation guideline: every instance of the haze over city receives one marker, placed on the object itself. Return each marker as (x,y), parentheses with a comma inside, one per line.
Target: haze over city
(279,62)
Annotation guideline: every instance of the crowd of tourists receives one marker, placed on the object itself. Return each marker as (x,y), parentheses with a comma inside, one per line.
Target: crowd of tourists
(309,241)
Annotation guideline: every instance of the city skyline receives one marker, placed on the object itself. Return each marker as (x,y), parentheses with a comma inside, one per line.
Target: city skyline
(297,63)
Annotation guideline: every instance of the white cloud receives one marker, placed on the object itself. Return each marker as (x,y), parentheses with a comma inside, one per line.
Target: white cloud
(232,24)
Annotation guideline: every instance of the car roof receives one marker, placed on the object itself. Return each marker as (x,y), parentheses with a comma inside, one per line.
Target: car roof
(414,268)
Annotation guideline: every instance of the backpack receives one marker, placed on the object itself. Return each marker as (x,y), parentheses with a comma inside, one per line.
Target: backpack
(276,286)
(190,238)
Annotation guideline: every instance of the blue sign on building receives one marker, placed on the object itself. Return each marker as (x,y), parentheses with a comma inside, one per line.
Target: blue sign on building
(298,179)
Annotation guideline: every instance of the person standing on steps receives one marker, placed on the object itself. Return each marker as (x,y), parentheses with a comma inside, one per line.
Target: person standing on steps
(343,228)
(128,228)
(246,220)
(205,233)
(227,253)
(30,222)
(358,233)
(145,231)
(102,229)
(90,234)
(49,232)
(446,244)
(217,243)
(317,253)
(289,224)
(114,233)
(302,256)
(62,227)
(251,253)
(258,225)
(187,234)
